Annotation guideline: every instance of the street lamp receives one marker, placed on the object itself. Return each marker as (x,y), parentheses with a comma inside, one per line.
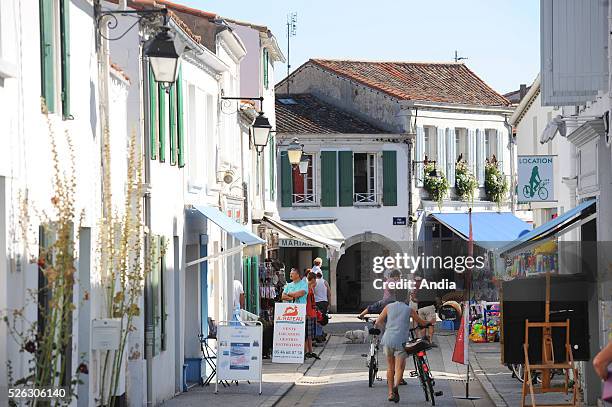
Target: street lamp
(260,131)
(164,56)
(294,151)
(304,167)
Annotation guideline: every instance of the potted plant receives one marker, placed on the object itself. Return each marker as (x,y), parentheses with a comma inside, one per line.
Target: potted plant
(496,185)
(465,181)
(435,183)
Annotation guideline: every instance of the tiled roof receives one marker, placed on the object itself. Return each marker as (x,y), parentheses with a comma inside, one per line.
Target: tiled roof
(305,114)
(419,81)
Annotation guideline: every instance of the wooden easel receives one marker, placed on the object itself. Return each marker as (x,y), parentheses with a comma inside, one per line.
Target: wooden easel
(548,360)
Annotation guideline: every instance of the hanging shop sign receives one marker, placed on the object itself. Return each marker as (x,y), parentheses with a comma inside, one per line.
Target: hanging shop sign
(535,178)
(289,333)
(293,243)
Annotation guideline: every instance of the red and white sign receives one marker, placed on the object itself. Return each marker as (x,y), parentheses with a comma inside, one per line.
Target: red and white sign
(289,333)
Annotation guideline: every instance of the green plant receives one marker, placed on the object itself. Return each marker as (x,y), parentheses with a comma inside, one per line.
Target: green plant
(465,181)
(435,183)
(496,184)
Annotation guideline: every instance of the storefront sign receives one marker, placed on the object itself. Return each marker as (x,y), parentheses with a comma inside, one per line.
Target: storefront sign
(289,333)
(293,243)
(399,220)
(535,178)
(239,352)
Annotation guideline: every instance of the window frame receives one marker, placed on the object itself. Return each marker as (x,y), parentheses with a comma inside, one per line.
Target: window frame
(371,196)
(309,196)
(430,140)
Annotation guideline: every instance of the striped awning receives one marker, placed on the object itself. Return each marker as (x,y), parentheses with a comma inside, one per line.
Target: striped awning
(322,227)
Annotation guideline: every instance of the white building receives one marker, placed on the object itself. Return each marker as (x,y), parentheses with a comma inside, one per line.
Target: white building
(449,114)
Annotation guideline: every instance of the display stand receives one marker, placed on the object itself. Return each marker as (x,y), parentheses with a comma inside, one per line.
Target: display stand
(548,360)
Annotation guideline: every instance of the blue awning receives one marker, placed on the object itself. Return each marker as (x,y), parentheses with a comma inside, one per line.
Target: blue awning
(490,230)
(228,224)
(553,227)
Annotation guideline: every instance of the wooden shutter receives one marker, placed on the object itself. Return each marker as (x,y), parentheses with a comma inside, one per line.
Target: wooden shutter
(574,41)
(152,115)
(441,153)
(173,129)
(480,156)
(390,178)
(161,92)
(272,166)
(419,155)
(286,181)
(266,61)
(65,56)
(162,293)
(501,147)
(47,65)
(471,153)
(329,177)
(451,155)
(180,127)
(155,311)
(345,162)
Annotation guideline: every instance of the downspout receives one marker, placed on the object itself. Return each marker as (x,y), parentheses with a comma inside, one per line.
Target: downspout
(512,169)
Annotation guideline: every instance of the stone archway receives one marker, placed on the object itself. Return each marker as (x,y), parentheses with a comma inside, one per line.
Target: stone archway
(352,275)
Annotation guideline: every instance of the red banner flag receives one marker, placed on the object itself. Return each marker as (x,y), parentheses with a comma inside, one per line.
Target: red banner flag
(458,353)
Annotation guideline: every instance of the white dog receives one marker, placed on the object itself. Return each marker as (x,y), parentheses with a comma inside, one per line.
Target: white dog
(356,336)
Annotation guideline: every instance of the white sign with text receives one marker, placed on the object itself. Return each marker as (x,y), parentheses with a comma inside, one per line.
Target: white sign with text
(289,333)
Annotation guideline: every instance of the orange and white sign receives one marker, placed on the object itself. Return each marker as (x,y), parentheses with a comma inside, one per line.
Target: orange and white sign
(289,333)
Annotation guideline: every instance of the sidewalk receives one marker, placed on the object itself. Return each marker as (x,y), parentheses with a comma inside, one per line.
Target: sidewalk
(277,381)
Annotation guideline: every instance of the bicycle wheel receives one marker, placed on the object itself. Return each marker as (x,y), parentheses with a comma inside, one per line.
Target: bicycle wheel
(430,387)
(543,193)
(527,191)
(518,371)
(421,373)
(373,368)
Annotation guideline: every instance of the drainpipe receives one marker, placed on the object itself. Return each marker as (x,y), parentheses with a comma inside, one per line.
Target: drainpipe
(512,169)
(409,144)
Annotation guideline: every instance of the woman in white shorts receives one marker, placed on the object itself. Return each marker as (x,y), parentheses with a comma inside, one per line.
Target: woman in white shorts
(395,317)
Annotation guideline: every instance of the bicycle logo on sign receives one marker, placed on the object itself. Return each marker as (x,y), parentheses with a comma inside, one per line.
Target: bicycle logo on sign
(536,186)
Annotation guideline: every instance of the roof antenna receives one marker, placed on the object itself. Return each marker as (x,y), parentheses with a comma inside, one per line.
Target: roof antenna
(291,32)
(458,58)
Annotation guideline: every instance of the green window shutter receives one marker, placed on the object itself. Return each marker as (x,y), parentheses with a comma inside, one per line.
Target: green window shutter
(255,273)
(180,142)
(65,48)
(329,184)
(272,152)
(345,164)
(266,61)
(286,181)
(172,113)
(162,292)
(161,94)
(47,66)
(246,279)
(152,115)
(389,178)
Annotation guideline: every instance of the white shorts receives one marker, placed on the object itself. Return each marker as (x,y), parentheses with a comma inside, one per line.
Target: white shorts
(428,313)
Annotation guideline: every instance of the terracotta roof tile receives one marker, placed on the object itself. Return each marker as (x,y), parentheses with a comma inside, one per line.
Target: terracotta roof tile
(418,81)
(305,114)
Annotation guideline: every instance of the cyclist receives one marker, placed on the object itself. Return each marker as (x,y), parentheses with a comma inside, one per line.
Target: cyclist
(535,180)
(395,317)
(378,306)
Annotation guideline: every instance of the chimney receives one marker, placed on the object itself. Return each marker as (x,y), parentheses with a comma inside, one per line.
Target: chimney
(522,91)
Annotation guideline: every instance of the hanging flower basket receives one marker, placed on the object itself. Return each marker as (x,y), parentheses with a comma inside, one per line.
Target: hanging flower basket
(465,181)
(496,185)
(435,183)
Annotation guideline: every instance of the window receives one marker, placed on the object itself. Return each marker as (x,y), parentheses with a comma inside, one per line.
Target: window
(303,184)
(431,144)
(155,297)
(272,166)
(55,52)
(491,144)
(195,130)
(461,145)
(364,177)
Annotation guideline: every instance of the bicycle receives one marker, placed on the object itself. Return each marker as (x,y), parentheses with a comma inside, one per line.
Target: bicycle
(421,366)
(372,355)
(540,189)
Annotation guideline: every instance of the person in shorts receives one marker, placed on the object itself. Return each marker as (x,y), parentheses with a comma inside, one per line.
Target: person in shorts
(311,315)
(395,318)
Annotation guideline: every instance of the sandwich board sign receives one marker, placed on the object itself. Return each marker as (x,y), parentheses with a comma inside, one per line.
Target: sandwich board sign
(239,352)
(289,333)
(535,178)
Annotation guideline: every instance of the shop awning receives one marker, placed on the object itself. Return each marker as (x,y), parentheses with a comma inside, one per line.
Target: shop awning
(296,232)
(322,227)
(228,224)
(554,227)
(490,230)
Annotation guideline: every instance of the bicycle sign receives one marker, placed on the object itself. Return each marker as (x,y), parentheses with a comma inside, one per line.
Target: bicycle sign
(535,175)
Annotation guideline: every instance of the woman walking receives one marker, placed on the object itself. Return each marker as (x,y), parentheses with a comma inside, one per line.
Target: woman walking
(395,317)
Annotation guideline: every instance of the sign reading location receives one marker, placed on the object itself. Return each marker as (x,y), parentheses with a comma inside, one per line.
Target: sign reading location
(535,178)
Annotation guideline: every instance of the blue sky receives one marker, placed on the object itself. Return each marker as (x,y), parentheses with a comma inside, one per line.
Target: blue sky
(500,38)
